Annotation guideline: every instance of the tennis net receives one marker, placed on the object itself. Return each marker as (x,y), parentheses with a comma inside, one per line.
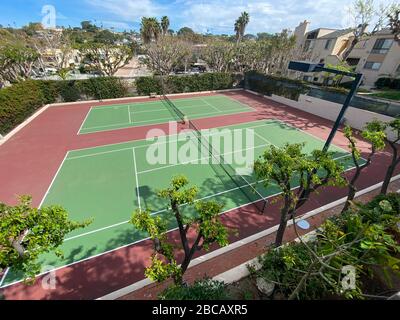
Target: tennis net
(227,170)
(174,108)
(170,104)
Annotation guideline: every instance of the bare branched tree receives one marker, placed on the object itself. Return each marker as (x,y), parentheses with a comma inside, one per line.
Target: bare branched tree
(166,54)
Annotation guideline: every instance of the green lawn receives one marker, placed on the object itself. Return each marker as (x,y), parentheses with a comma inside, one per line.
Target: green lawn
(390,94)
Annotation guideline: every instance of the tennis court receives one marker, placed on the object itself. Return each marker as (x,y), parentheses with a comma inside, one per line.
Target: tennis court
(108,183)
(122,116)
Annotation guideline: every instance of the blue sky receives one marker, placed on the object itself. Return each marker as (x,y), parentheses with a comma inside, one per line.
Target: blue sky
(201,15)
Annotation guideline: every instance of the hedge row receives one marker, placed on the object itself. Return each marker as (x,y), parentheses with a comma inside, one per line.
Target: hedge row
(269,85)
(17,103)
(388,83)
(180,84)
(74,90)
(21,100)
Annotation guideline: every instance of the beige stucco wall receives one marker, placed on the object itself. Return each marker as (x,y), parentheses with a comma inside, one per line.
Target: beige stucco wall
(390,61)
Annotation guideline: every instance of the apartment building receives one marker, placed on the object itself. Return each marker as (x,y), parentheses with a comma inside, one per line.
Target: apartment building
(376,56)
(320,45)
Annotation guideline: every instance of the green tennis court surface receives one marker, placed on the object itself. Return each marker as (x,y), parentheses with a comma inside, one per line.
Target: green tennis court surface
(121,116)
(109,182)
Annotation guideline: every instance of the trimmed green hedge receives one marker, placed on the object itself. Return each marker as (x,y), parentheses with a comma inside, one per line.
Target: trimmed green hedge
(191,83)
(19,102)
(389,83)
(22,99)
(269,85)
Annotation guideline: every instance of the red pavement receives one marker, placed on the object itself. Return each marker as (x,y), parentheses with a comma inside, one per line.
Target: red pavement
(30,159)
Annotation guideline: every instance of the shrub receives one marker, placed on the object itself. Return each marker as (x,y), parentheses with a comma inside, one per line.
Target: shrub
(363,237)
(69,91)
(387,83)
(205,289)
(180,84)
(383,83)
(395,84)
(269,85)
(19,102)
(104,88)
(49,89)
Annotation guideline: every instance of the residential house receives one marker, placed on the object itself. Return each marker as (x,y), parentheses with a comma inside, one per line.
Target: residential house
(376,56)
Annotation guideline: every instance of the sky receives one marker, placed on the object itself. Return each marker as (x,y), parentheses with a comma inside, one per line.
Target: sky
(204,16)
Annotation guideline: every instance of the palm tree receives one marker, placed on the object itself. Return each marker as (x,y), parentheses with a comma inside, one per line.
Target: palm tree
(150,29)
(164,25)
(240,25)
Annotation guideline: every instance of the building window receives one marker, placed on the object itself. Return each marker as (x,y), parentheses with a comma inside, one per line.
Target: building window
(372,65)
(353,61)
(309,45)
(382,46)
(328,44)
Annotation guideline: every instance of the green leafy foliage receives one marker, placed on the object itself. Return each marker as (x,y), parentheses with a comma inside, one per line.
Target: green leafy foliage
(17,103)
(375,135)
(22,99)
(16,62)
(288,167)
(269,85)
(205,289)
(191,83)
(205,224)
(26,233)
(362,237)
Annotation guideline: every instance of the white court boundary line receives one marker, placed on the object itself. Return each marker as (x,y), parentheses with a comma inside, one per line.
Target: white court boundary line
(53,180)
(206,256)
(13,132)
(164,210)
(197,200)
(126,149)
(148,122)
(244,108)
(271,121)
(210,105)
(267,122)
(136,178)
(129,114)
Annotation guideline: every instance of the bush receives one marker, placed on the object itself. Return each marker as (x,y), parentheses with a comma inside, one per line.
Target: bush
(387,83)
(383,83)
(269,85)
(69,91)
(205,289)
(147,85)
(395,84)
(50,90)
(366,238)
(19,102)
(104,88)
(181,84)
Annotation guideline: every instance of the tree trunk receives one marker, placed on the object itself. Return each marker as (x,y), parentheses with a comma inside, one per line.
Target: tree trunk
(283,223)
(390,171)
(352,190)
(389,174)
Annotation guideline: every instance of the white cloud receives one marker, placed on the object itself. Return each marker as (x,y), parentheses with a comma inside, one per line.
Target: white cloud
(218,16)
(116,24)
(265,16)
